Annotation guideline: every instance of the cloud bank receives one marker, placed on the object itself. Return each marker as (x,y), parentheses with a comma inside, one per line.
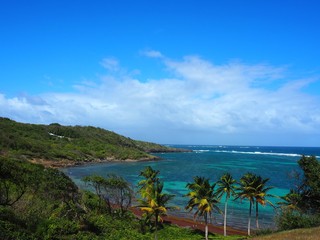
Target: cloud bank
(199,102)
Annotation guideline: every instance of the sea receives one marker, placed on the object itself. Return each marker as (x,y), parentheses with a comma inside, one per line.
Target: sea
(279,164)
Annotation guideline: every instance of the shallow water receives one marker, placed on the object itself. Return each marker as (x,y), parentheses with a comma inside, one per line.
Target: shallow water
(177,169)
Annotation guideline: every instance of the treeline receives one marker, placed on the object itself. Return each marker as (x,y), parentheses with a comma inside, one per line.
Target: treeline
(55,143)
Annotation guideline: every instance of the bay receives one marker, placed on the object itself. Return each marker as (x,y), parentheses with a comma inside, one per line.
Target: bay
(177,169)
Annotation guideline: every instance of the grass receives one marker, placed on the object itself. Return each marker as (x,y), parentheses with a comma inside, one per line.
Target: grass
(296,234)
(174,233)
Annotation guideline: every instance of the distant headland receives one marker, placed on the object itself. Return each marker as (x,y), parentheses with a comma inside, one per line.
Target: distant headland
(56,145)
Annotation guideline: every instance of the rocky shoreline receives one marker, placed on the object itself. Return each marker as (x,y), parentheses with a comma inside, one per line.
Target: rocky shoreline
(64,163)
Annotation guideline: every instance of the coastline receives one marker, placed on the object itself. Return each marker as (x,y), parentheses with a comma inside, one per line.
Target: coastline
(179,221)
(64,163)
(169,219)
(69,163)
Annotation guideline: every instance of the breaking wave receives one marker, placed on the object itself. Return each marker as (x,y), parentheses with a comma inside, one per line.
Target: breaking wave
(252,153)
(262,153)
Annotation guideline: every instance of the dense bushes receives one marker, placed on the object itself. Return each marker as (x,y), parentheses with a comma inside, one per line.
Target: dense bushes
(293,219)
(301,206)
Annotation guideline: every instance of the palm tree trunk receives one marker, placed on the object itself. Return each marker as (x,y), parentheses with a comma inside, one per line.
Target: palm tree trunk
(257,215)
(225,217)
(156,225)
(206,225)
(249,220)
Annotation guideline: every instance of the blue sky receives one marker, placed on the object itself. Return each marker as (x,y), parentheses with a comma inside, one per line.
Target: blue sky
(181,72)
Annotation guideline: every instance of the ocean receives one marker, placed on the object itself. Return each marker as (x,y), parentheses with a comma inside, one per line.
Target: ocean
(178,169)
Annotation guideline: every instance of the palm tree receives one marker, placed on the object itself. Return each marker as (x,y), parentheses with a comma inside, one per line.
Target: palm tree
(153,201)
(291,201)
(261,193)
(246,191)
(203,197)
(156,204)
(226,185)
(150,178)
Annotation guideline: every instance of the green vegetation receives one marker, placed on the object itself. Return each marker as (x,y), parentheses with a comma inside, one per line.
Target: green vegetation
(246,191)
(297,234)
(226,185)
(300,208)
(114,190)
(202,197)
(70,144)
(254,189)
(153,201)
(43,203)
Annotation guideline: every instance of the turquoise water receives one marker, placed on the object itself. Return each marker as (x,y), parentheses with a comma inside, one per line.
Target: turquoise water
(177,169)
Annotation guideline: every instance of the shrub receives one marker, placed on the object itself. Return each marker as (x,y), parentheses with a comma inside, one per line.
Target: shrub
(293,219)
(57,228)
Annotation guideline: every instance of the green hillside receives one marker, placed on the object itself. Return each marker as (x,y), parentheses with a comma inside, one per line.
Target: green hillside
(63,145)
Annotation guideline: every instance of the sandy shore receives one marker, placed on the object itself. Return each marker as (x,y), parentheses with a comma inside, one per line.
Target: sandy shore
(196,225)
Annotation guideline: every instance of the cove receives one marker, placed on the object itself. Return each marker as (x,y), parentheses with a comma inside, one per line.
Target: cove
(177,169)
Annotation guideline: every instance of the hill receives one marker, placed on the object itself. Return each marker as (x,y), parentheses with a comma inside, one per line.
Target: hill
(58,145)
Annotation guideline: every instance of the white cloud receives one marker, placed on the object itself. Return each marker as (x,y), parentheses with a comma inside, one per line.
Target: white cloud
(110,64)
(152,54)
(203,100)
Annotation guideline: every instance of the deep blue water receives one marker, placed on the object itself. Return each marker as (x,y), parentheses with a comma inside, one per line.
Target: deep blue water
(177,169)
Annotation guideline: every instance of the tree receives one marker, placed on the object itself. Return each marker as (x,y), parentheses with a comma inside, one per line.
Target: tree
(246,191)
(301,206)
(310,184)
(226,185)
(291,201)
(261,194)
(203,198)
(13,184)
(145,185)
(113,190)
(153,201)
(97,182)
(119,192)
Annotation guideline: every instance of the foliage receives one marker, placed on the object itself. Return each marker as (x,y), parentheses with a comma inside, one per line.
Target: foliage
(289,219)
(52,207)
(261,194)
(202,197)
(12,182)
(310,184)
(55,142)
(153,201)
(43,203)
(246,190)
(57,228)
(226,185)
(47,193)
(291,201)
(113,192)
(301,206)
(150,178)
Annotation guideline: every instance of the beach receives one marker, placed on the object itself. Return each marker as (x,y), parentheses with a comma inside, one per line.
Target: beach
(192,224)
